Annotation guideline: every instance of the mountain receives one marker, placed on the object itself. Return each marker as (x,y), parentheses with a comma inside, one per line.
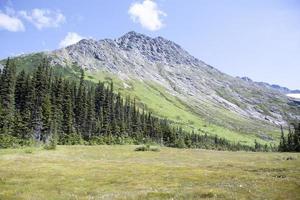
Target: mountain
(279,88)
(174,84)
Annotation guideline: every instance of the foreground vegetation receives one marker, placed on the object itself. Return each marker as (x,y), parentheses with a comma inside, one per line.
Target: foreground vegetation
(120,172)
(291,142)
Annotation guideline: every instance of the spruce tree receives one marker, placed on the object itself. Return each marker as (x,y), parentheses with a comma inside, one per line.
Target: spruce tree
(90,127)
(7,96)
(40,90)
(136,123)
(68,123)
(282,145)
(57,91)
(80,105)
(21,91)
(106,125)
(46,119)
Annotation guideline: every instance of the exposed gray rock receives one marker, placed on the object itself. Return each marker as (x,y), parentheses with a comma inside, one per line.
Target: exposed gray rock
(212,94)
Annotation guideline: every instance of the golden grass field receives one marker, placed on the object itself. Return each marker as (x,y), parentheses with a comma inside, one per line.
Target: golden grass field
(119,172)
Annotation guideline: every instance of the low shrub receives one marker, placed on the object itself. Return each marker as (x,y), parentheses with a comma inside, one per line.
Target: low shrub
(142,148)
(97,141)
(110,140)
(290,158)
(51,145)
(8,141)
(147,148)
(71,139)
(28,151)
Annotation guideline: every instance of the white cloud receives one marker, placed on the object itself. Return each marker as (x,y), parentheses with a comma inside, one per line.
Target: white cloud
(44,18)
(71,38)
(147,14)
(10,23)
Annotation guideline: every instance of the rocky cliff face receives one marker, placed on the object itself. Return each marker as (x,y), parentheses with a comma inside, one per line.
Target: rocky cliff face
(215,96)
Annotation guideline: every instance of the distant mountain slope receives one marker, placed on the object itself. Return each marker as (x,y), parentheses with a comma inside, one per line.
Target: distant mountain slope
(176,85)
(279,88)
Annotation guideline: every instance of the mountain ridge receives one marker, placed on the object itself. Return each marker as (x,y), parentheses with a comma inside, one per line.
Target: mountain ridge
(277,87)
(160,65)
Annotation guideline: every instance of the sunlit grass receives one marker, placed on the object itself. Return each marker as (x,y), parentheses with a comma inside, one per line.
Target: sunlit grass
(119,172)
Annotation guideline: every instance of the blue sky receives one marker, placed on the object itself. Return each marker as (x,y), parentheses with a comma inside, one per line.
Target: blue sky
(254,38)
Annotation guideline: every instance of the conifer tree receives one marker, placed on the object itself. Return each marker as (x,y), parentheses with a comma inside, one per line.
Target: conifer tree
(106,126)
(136,123)
(57,90)
(282,145)
(80,105)
(91,119)
(1,118)
(47,129)
(40,90)
(99,97)
(297,137)
(67,108)
(21,91)
(7,96)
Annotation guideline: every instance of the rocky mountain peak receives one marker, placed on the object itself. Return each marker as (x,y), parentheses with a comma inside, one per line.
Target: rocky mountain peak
(156,49)
(247,79)
(133,38)
(132,35)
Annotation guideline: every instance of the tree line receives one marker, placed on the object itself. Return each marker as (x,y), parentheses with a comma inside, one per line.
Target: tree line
(290,142)
(41,107)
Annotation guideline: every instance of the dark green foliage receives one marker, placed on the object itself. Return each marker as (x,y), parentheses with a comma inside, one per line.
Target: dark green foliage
(7,96)
(67,110)
(51,110)
(71,139)
(290,143)
(7,141)
(257,146)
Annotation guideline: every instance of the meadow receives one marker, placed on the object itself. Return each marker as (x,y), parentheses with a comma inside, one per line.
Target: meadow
(119,172)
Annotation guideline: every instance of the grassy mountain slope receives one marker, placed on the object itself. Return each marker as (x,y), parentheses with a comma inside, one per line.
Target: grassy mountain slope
(155,98)
(161,103)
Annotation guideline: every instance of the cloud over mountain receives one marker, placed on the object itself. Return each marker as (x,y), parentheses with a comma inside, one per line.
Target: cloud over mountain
(71,38)
(147,14)
(10,23)
(44,18)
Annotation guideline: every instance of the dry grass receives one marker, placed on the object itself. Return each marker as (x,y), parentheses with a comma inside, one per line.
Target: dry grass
(119,172)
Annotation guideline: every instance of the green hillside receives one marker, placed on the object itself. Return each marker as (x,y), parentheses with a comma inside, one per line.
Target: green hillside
(158,101)
(163,104)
